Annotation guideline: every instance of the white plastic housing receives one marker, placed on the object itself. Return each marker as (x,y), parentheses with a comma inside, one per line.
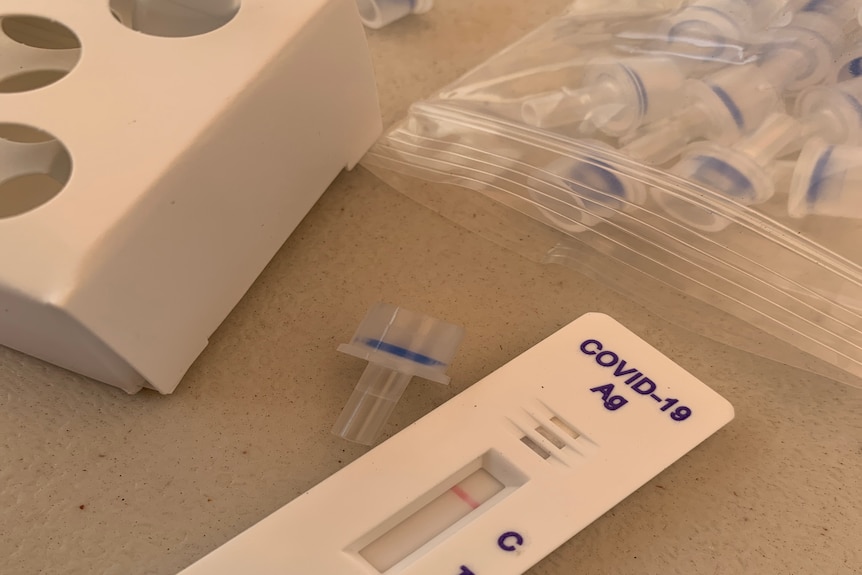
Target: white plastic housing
(501,475)
(193,158)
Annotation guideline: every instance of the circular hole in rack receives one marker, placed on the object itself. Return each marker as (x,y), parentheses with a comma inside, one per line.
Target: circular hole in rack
(37,52)
(32,80)
(38,32)
(34,168)
(174,18)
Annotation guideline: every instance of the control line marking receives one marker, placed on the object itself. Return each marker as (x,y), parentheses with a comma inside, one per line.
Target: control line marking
(465,497)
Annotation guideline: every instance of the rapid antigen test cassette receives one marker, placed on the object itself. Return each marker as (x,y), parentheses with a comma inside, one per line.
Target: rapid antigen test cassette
(501,475)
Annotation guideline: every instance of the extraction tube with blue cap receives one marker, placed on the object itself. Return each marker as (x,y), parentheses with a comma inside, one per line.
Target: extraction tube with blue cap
(398,344)
(732,102)
(705,27)
(618,95)
(731,18)
(708,33)
(827,181)
(721,107)
(574,194)
(833,113)
(803,53)
(740,173)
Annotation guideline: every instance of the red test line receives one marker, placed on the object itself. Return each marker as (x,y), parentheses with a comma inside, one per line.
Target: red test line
(464,496)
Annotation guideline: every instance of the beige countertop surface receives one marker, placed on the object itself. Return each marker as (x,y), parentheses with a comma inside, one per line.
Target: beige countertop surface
(96,481)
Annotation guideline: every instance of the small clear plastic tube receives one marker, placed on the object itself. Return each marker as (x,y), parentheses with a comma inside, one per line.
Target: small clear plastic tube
(803,53)
(721,107)
(740,172)
(557,200)
(617,96)
(379,13)
(398,345)
(712,30)
(833,113)
(827,181)
(710,22)
(574,194)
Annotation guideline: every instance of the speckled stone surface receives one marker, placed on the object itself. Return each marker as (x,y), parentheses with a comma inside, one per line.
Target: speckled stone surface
(96,481)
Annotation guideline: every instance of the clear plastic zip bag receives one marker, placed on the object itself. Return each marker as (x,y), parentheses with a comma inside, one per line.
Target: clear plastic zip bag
(713,148)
